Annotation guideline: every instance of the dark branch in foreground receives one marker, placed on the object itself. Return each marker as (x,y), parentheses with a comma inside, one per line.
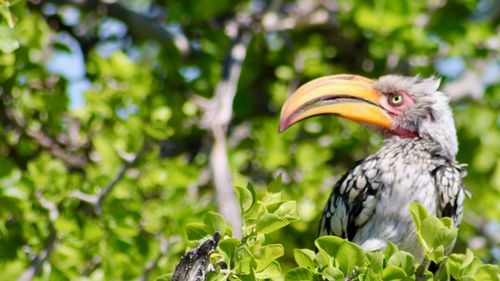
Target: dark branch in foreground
(193,265)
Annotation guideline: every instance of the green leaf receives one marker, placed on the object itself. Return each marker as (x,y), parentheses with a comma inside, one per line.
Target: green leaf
(244,191)
(332,274)
(375,261)
(329,245)
(215,222)
(460,265)
(419,213)
(370,275)
(244,262)
(349,256)
(437,236)
(264,255)
(304,258)
(467,259)
(322,260)
(284,209)
(275,185)
(228,246)
(215,276)
(390,250)
(269,223)
(196,231)
(299,274)
(346,254)
(8,42)
(165,277)
(488,272)
(239,180)
(392,272)
(8,16)
(273,270)
(434,235)
(271,198)
(248,277)
(404,261)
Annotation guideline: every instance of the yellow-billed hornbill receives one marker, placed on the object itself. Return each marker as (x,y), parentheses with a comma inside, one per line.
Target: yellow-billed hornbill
(369,204)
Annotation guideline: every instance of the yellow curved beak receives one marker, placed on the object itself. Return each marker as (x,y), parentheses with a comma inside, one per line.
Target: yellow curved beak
(349,96)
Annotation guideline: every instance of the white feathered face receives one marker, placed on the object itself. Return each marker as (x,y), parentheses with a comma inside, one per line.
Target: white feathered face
(407,107)
(411,101)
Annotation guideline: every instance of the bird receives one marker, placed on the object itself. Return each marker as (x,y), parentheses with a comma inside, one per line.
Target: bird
(369,205)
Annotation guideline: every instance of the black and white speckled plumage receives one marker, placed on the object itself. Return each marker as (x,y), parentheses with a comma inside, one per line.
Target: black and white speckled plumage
(369,204)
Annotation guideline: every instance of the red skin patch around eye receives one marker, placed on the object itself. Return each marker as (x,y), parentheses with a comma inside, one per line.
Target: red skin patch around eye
(396,110)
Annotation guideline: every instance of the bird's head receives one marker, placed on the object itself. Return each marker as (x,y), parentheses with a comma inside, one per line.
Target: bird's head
(405,107)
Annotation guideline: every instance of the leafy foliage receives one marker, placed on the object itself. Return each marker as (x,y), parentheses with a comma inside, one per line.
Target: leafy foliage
(106,147)
(253,258)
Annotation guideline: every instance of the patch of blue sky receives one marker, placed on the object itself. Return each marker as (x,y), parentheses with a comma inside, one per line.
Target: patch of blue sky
(71,66)
(125,112)
(491,74)
(106,49)
(70,15)
(451,67)
(75,93)
(112,28)
(190,73)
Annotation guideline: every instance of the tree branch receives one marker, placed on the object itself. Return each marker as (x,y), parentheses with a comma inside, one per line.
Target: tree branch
(40,258)
(71,160)
(216,119)
(97,200)
(193,265)
(420,272)
(140,26)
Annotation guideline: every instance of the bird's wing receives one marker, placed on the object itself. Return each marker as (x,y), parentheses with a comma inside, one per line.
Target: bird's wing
(449,184)
(352,201)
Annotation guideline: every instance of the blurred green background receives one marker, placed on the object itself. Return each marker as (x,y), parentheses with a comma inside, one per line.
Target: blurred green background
(122,121)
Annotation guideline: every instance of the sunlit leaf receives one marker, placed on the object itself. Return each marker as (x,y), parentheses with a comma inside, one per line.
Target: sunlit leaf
(196,231)
(304,258)
(299,274)
(269,223)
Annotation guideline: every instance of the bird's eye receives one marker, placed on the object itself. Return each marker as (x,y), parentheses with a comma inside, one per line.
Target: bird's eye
(396,100)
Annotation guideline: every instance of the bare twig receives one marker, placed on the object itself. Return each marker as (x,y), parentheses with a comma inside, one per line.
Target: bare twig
(71,160)
(97,200)
(304,14)
(45,141)
(216,119)
(91,265)
(218,112)
(40,258)
(420,273)
(352,275)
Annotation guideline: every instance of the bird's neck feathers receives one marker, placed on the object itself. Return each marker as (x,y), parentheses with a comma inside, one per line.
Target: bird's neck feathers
(441,127)
(442,131)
